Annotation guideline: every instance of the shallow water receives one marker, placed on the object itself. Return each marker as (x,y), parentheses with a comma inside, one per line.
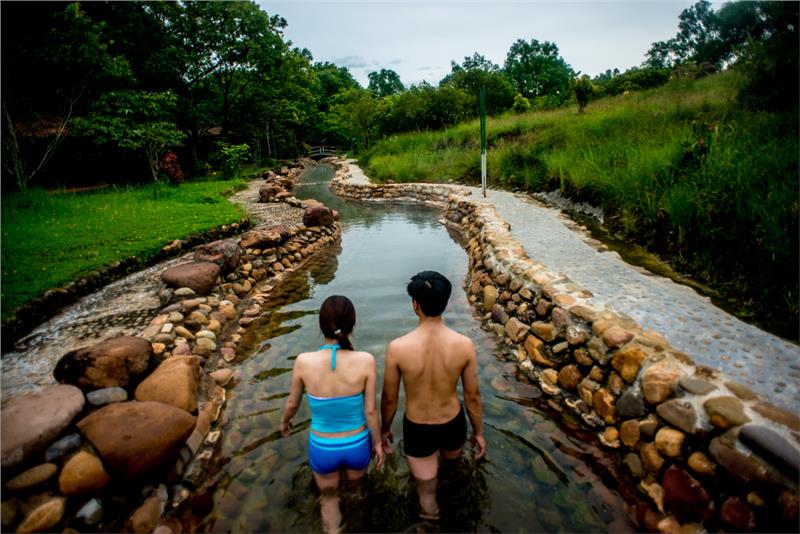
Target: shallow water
(539,475)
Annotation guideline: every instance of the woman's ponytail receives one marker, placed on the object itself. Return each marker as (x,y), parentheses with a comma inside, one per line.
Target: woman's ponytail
(337,317)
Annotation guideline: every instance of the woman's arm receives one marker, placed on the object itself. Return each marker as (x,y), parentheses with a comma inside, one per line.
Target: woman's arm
(371,411)
(293,402)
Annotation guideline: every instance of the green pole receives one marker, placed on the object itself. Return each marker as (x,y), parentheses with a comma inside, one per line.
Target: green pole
(483,138)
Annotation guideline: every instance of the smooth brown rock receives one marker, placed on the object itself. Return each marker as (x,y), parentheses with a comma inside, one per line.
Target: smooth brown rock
(679,413)
(32,477)
(730,409)
(603,403)
(174,382)
(145,518)
(779,415)
(534,346)
(44,517)
(629,432)
(684,496)
(738,463)
(544,330)
(616,336)
(135,437)
(772,446)
(198,276)
(660,379)
(31,423)
(700,464)
(221,376)
(670,441)
(489,297)
(741,391)
(264,238)
(318,215)
(582,357)
(651,458)
(627,362)
(696,386)
(81,474)
(634,464)
(111,363)
(569,376)
(516,330)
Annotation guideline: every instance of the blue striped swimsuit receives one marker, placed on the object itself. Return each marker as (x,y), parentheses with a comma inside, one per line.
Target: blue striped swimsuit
(338,414)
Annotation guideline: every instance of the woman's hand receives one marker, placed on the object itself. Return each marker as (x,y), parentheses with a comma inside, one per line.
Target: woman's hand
(286,428)
(377,450)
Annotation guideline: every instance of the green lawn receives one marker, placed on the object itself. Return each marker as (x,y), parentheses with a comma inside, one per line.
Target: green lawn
(683,170)
(50,240)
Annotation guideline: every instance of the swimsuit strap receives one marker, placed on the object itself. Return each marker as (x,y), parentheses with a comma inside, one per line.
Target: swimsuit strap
(333,348)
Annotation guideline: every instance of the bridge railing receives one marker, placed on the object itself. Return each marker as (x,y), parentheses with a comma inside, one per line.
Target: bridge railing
(322,150)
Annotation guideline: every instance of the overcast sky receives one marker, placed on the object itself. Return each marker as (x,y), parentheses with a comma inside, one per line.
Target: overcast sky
(418,39)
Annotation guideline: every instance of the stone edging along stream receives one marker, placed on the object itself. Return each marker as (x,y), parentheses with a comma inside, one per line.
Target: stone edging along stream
(131,426)
(707,451)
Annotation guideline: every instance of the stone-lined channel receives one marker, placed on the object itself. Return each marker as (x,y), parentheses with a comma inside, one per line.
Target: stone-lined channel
(543,473)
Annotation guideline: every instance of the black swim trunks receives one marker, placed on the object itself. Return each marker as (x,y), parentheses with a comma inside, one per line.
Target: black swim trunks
(421,440)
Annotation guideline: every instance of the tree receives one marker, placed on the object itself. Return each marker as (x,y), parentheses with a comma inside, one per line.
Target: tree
(697,41)
(385,82)
(537,70)
(477,72)
(521,104)
(134,120)
(475,62)
(357,110)
(583,92)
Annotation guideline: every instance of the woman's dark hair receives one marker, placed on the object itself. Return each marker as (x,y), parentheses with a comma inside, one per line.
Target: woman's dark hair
(431,291)
(337,317)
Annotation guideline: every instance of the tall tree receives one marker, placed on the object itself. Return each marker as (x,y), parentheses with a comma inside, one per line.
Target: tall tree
(385,82)
(537,70)
(477,72)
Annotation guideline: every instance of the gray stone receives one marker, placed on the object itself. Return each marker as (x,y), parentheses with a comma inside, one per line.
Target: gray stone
(64,446)
(598,351)
(680,414)
(771,445)
(696,386)
(730,409)
(91,513)
(634,464)
(104,396)
(630,404)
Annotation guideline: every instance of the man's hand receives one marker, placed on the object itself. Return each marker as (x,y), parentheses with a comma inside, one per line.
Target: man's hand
(286,428)
(377,450)
(480,441)
(387,438)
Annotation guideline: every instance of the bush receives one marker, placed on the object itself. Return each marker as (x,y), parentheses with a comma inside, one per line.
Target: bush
(229,159)
(521,104)
(170,168)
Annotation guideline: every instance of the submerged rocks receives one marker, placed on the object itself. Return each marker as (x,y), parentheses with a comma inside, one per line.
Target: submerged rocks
(32,422)
(135,437)
(110,363)
(174,382)
(198,276)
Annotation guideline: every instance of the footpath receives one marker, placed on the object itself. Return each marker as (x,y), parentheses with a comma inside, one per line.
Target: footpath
(689,321)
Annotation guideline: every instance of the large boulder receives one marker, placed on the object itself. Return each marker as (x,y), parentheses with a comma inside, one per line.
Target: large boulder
(264,237)
(266,193)
(174,382)
(113,362)
(318,215)
(224,253)
(32,422)
(199,276)
(137,437)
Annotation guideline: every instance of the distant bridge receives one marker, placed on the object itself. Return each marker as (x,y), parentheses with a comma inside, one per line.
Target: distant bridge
(322,151)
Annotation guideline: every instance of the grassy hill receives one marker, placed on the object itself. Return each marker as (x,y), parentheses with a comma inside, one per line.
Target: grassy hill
(682,170)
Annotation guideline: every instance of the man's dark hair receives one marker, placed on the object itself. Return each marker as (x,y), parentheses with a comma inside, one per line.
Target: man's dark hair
(431,291)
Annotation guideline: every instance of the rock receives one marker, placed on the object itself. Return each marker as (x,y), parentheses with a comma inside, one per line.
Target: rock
(586,389)
(616,336)
(533,347)
(224,253)
(198,276)
(669,441)
(543,307)
(222,376)
(185,292)
(737,514)
(550,377)
(174,382)
(90,513)
(603,403)
(63,446)
(627,362)
(145,518)
(32,477)
(737,463)
(634,464)
(184,332)
(582,357)
(700,464)
(516,330)
(680,414)
(569,376)
(204,346)
(651,458)
(610,437)
(576,335)
(101,397)
(489,297)
(318,215)
(81,474)
(44,517)
(696,386)
(264,238)
(630,404)
(598,350)
(659,380)
(596,373)
(649,425)
(779,415)
(207,334)
(113,362)
(741,391)
(789,504)
(655,492)
(175,317)
(499,314)
(629,432)
(730,409)
(135,437)
(771,446)
(31,423)
(544,330)
(684,496)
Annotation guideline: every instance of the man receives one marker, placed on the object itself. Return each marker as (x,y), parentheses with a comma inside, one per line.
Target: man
(430,360)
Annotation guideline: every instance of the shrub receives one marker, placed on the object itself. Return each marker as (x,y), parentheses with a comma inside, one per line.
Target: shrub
(229,159)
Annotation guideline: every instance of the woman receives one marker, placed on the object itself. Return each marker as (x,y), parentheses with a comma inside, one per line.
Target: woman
(340,383)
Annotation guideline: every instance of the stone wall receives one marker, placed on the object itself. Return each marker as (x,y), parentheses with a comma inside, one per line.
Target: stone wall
(707,452)
(131,425)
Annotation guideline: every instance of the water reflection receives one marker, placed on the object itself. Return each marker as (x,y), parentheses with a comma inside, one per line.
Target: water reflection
(536,476)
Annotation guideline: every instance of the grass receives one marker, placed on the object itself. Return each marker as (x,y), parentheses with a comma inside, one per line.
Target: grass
(682,170)
(50,240)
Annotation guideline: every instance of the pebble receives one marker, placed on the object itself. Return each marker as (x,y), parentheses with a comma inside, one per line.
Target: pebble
(207,334)
(32,477)
(183,332)
(63,446)
(44,517)
(101,397)
(91,513)
(82,473)
(184,292)
(175,317)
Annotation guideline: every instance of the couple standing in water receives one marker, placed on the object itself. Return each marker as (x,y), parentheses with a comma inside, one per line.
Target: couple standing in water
(340,384)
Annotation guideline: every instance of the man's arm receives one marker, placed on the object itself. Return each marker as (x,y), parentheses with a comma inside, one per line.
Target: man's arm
(389,397)
(472,400)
